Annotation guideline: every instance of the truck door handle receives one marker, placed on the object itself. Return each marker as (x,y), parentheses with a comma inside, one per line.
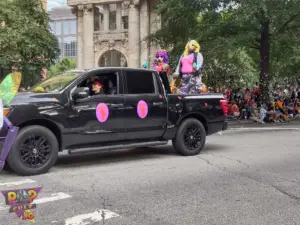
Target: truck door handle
(157,103)
(117,105)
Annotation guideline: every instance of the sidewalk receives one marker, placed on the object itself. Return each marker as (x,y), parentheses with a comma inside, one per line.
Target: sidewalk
(250,123)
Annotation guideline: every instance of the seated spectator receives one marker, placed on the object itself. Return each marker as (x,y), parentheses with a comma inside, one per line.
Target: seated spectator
(255,115)
(263,116)
(280,109)
(297,108)
(277,115)
(235,109)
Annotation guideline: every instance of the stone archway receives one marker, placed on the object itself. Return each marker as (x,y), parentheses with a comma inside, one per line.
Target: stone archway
(112,58)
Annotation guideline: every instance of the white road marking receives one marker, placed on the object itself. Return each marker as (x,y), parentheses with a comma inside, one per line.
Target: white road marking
(17,183)
(53,197)
(91,218)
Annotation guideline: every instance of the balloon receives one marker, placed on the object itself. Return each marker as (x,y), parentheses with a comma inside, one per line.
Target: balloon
(9,87)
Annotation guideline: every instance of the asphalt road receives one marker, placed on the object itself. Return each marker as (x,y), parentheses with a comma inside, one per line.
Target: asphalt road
(242,177)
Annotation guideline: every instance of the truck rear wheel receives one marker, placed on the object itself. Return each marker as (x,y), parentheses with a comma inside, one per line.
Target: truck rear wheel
(34,152)
(190,137)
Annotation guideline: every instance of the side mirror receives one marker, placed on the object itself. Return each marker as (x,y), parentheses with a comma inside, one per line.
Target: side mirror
(81,92)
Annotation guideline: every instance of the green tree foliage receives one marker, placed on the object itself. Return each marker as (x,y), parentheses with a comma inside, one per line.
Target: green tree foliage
(266,32)
(24,34)
(62,66)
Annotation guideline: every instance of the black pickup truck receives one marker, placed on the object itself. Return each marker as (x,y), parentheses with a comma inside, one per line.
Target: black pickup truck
(135,109)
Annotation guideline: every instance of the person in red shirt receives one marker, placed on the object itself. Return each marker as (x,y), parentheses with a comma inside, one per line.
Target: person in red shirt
(228,94)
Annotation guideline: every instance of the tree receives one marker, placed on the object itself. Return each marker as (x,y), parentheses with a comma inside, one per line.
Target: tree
(62,66)
(25,37)
(265,30)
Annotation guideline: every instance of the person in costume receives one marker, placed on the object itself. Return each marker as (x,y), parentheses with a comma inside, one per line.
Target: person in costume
(8,90)
(161,63)
(189,69)
(145,65)
(204,89)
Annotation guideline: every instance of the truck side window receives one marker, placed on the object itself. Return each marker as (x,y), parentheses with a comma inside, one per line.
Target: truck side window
(140,82)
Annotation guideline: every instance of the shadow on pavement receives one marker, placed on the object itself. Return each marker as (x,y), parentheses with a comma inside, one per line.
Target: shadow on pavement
(216,147)
(68,161)
(114,156)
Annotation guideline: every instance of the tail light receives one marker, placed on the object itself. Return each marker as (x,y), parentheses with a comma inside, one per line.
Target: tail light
(224,105)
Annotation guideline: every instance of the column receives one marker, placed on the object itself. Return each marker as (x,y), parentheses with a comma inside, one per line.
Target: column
(106,17)
(154,26)
(88,19)
(133,34)
(119,17)
(79,37)
(144,32)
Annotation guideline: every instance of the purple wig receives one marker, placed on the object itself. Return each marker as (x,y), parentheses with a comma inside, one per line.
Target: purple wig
(161,53)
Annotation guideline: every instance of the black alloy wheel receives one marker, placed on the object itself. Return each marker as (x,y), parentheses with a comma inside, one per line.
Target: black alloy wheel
(190,137)
(35,151)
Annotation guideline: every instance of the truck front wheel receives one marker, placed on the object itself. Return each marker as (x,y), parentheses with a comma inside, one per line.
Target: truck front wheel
(34,152)
(190,137)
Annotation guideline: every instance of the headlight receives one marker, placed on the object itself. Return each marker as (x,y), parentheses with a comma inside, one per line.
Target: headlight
(6,111)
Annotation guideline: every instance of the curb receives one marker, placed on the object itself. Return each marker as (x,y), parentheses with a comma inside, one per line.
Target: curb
(252,124)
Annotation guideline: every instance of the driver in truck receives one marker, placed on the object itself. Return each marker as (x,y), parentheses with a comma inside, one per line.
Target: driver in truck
(97,88)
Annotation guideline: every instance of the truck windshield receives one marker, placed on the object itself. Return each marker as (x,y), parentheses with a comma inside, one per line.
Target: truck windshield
(56,83)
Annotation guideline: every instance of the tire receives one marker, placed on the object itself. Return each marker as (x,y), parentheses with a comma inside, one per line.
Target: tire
(49,141)
(6,167)
(178,142)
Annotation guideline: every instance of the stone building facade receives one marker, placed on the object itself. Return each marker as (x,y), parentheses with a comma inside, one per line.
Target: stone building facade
(63,25)
(112,32)
(44,5)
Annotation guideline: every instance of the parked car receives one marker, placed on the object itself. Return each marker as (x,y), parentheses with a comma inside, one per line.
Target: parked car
(136,109)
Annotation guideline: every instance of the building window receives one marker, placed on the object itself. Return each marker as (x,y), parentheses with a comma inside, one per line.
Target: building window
(125,22)
(96,20)
(70,47)
(73,26)
(58,28)
(112,20)
(66,27)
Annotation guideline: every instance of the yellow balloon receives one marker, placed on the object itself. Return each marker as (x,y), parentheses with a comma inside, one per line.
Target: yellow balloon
(39,89)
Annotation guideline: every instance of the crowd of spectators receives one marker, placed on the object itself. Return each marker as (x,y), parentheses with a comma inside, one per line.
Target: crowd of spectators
(246,104)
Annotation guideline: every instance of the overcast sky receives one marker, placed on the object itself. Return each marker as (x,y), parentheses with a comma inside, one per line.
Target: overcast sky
(54,3)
